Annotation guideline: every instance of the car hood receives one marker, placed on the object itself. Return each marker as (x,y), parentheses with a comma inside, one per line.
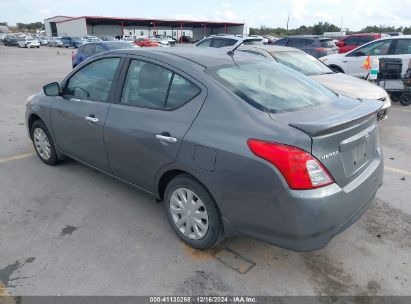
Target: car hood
(350,86)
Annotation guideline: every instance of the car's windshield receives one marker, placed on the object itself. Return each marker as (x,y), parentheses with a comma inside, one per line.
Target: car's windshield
(302,62)
(270,86)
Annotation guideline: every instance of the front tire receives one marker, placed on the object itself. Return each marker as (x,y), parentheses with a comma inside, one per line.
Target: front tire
(193,213)
(43,143)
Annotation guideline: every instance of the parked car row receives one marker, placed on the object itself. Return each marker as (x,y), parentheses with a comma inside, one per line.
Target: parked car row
(211,128)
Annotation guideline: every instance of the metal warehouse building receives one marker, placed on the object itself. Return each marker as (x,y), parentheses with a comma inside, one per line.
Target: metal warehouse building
(136,27)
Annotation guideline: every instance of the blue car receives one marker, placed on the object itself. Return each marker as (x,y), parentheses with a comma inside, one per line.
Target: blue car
(74,42)
(88,50)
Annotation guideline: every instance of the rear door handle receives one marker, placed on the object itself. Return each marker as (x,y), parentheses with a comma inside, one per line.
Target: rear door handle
(92,120)
(167,139)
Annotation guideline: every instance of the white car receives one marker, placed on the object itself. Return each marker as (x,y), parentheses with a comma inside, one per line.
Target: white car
(308,65)
(28,43)
(388,47)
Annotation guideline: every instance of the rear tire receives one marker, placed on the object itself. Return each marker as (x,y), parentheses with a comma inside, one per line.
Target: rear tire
(193,213)
(405,99)
(43,143)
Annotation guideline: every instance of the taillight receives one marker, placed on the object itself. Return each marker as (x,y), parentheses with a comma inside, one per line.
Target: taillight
(301,170)
(72,55)
(321,50)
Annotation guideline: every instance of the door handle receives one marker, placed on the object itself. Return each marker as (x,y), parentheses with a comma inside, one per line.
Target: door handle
(91,120)
(167,139)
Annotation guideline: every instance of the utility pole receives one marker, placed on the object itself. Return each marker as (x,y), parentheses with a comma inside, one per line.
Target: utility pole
(288,21)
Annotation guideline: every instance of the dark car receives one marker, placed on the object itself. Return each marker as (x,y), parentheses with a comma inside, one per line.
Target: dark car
(316,46)
(186,39)
(88,50)
(11,40)
(232,144)
(74,42)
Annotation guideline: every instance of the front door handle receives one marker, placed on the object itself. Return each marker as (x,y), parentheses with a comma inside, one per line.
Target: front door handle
(167,139)
(92,120)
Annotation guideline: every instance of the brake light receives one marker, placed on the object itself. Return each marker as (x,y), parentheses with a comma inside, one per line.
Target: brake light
(301,170)
(321,49)
(72,55)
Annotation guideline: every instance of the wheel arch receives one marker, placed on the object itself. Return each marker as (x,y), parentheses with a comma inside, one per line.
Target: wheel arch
(32,118)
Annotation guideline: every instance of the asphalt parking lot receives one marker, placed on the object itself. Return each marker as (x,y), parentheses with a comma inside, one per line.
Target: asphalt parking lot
(69,230)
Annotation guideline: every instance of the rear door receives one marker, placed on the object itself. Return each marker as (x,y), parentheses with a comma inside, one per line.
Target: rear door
(78,116)
(153,110)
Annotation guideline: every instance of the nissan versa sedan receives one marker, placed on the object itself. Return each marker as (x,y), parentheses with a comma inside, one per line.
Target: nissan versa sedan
(338,82)
(231,144)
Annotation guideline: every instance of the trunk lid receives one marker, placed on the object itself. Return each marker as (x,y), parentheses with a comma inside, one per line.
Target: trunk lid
(344,134)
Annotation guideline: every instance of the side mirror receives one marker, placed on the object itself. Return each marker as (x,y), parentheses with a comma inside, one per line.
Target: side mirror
(52,89)
(340,43)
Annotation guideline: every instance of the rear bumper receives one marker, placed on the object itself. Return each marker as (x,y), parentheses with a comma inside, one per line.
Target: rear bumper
(308,220)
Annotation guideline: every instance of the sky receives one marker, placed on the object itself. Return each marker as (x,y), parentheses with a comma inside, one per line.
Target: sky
(352,14)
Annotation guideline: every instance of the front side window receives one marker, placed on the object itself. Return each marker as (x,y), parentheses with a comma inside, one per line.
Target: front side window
(302,62)
(271,87)
(377,48)
(94,80)
(402,47)
(148,85)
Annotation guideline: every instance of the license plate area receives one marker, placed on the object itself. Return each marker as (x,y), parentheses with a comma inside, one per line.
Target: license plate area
(359,156)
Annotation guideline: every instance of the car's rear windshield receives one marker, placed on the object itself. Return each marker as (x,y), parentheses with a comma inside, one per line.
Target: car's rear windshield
(327,43)
(253,42)
(270,86)
(302,62)
(120,45)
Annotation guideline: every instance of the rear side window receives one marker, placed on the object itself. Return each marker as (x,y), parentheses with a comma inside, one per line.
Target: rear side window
(88,50)
(271,87)
(181,92)
(219,43)
(205,43)
(93,81)
(148,85)
(99,49)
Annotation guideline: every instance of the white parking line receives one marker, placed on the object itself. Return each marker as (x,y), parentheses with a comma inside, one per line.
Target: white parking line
(15,157)
(399,171)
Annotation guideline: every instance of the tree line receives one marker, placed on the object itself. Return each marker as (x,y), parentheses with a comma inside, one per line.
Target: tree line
(322,27)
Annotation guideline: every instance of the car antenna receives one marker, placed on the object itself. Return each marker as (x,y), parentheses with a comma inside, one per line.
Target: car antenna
(231,53)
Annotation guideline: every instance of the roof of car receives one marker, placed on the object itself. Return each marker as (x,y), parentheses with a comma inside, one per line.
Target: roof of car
(206,58)
(307,37)
(271,48)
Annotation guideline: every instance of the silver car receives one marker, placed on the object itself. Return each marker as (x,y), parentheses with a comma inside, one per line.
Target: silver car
(338,82)
(232,145)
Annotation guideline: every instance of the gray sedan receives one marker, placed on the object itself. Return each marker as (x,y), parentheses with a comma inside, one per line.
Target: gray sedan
(231,144)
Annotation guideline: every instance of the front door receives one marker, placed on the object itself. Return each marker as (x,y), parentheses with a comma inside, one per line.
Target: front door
(146,125)
(78,115)
(356,58)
